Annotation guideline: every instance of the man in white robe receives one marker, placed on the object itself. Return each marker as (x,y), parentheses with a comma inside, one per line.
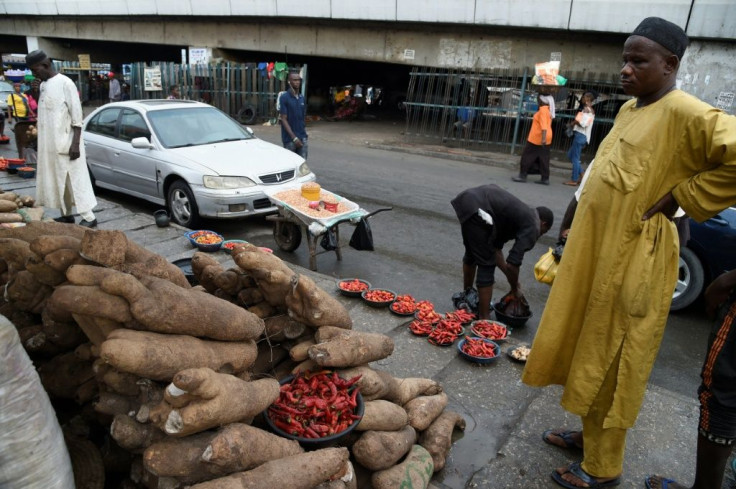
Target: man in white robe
(63,179)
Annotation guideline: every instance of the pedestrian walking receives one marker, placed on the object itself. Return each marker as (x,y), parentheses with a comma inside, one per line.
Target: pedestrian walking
(605,316)
(490,217)
(535,157)
(114,92)
(63,179)
(582,127)
(292,115)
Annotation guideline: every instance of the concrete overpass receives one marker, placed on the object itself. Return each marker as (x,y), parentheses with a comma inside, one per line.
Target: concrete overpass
(467,34)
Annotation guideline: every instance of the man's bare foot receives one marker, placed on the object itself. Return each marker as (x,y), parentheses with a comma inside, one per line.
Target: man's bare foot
(564,438)
(659,482)
(573,475)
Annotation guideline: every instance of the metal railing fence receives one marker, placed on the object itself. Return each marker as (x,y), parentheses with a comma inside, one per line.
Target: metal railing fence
(241,90)
(493,109)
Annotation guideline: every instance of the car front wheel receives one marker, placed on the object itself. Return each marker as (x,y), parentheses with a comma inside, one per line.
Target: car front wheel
(690,280)
(182,205)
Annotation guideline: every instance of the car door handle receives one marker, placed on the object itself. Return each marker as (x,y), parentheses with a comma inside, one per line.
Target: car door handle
(117,153)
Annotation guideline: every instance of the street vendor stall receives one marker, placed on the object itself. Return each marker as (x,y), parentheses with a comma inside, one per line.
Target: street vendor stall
(318,213)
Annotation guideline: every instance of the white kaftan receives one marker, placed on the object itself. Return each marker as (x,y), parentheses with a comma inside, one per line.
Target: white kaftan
(59,110)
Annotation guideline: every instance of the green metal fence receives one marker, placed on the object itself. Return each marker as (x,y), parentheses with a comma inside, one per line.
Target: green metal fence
(239,89)
(494,109)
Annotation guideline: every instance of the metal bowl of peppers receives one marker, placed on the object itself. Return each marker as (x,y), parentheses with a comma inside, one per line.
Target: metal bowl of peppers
(317,409)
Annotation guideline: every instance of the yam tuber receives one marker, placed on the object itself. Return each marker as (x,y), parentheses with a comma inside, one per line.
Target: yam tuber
(283,327)
(161,356)
(90,300)
(26,293)
(269,271)
(250,297)
(44,273)
(7,217)
(404,390)
(43,245)
(415,472)
(347,481)
(62,259)
(300,352)
(383,415)
(379,450)
(268,357)
(201,263)
(301,471)
(349,348)
(113,249)
(132,435)
(240,447)
(164,307)
(15,252)
(314,307)
(232,280)
(204,399)
(423,410)
(182,458)
(437,439)
(374,384)
(8,206)
(112,403)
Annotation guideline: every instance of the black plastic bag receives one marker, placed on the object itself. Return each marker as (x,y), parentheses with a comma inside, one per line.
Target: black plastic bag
(467,299)
(329,240)
(362,238)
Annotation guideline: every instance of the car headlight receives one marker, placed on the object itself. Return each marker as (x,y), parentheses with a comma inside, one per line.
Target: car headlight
(304,170)
(211,181)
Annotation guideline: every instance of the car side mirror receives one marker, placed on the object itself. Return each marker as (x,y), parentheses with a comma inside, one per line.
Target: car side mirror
(141,143)
(249,131)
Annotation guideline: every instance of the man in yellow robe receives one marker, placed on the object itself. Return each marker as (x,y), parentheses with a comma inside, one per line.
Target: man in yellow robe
(605,316)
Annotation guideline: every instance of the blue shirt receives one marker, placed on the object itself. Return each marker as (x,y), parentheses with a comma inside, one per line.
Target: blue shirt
(295,111)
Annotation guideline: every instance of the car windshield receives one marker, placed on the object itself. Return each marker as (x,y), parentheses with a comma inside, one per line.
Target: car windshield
(195,126)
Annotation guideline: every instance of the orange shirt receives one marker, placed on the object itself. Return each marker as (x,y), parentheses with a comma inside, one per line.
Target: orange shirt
(542,121)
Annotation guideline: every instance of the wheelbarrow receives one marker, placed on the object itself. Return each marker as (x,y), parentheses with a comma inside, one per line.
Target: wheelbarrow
(289,226)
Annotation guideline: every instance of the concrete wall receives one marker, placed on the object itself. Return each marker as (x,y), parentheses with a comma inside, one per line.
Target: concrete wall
(700,18)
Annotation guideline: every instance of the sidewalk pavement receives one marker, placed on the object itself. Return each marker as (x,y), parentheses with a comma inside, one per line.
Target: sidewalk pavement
(501,447)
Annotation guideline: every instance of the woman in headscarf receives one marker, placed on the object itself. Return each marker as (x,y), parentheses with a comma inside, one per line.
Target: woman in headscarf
(536,151)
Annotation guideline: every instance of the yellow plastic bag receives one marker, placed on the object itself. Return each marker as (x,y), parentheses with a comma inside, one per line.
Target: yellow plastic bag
(546,268)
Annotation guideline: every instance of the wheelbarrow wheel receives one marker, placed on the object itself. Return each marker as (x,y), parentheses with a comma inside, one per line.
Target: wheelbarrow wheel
(288,236)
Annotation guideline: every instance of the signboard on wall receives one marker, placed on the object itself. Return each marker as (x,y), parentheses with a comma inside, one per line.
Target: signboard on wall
(84,62)
(199,55)
(152,79)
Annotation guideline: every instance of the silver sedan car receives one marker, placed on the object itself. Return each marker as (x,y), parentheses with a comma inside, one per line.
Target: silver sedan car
(188,156)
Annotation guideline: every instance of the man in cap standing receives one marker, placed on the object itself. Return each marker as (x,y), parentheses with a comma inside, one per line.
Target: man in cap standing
(63,179)
(605,316)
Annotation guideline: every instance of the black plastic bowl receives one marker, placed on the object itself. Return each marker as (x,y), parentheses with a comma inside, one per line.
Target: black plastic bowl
(511,321)
(185,264)
(317,443)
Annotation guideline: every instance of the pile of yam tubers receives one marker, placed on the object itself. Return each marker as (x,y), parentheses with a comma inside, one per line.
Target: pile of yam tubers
(16,208)
(165,383)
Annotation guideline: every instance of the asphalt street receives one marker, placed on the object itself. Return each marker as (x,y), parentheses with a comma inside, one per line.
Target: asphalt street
(418,251)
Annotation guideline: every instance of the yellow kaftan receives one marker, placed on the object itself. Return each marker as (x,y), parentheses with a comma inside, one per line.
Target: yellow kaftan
(615,281)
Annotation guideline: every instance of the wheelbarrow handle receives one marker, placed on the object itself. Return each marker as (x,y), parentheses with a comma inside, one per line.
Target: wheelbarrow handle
(377,211)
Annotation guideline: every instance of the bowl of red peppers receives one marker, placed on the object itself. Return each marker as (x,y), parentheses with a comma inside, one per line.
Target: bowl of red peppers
(317,409)
(479,350)
(352,287)
(378,297)
(404,305)
(490,330)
